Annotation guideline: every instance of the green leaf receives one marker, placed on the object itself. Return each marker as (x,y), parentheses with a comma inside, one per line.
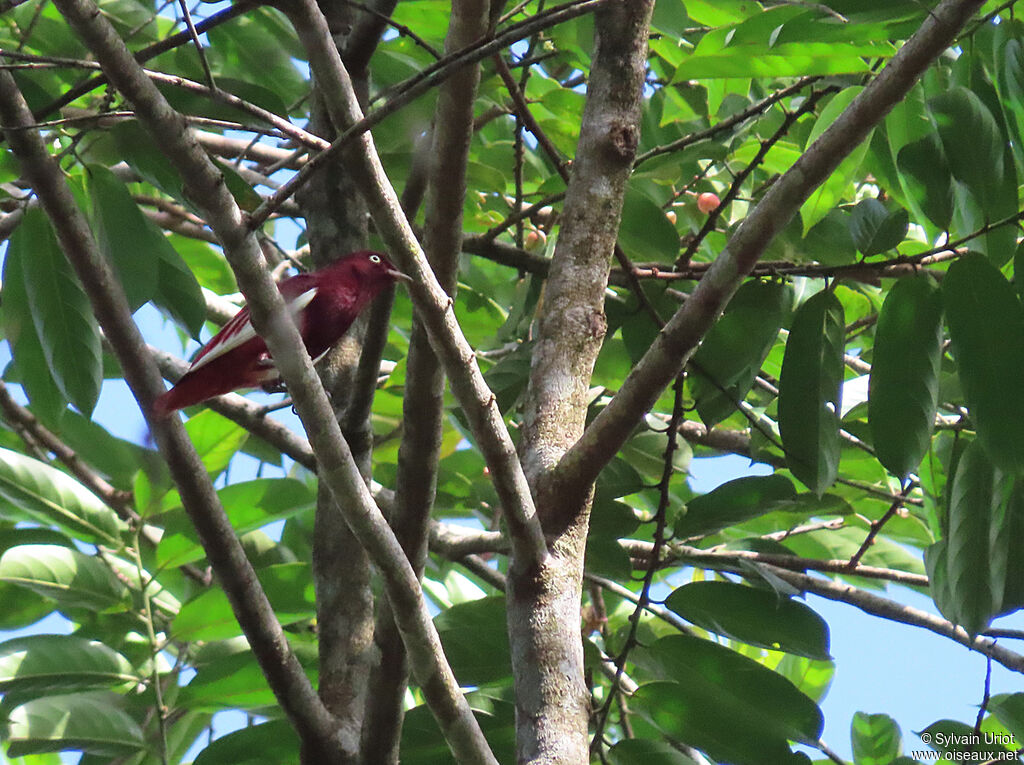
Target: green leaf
(969,564)
(734,502)
(230,682)
(831,192)
(138,149)
(876,739)
(124,235)
(735,347)
(145,260)
(645,229)
(209,266)
(904,386)
(630,751)
(751,615)
(71,578)
(245,196)
(47,495)
(249,505)
(91,722)
(178,291)
(117,459)
(269,743)
(875,229)
(926,179)
(1010,526)
(29,363)
(722,702)
(209,616)
(1009,710)
(251,49)
(617,479)
(809,391)
(423,743)
(216,439)
(464,628)
(972,141)
(40,663)
(61,313)
(986,328)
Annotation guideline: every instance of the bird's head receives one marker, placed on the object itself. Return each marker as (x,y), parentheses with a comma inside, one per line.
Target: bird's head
(373,267)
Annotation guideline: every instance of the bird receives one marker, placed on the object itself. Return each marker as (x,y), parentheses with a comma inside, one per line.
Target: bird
(323,303)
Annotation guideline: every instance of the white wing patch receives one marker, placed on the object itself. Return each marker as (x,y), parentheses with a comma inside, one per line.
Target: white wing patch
(240,330)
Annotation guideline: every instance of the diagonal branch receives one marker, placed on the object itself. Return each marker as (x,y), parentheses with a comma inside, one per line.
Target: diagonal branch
(149,52)
(241,411)
(674,345)
(432,303)
(423,407)
(419,84)
(252,609)
(208,191)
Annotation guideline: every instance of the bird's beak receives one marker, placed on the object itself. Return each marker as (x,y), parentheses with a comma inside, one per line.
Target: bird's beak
(394,273)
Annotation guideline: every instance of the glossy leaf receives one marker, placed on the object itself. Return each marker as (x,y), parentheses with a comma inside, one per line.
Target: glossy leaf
(926,179)
(249,505)
(71,578)
(736,346)
(91,722)
(61,313)
(809,391)
(986,328)
(266,744)
(723,703)
(875,228)
(904,385)
(828,194)
(971,138)
(683,714)
(973,556)
(734,502)
(29,365)
(141,152)
(1009,709)
(233,681)
(125,237)
(38,664)
(751,615)
(464,628)
(215,438)
(633,750)
(209,616)
(47,495)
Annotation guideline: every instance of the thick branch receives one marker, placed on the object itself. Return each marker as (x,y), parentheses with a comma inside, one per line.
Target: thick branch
(674,345)
(433,305)
(423,408)
(252,609)
(553,702)
(897,612)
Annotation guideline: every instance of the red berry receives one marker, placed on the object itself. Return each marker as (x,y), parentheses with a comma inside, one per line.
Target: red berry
(535,240)
(707,202)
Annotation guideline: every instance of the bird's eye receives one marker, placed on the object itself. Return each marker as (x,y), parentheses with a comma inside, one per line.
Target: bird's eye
(375,258)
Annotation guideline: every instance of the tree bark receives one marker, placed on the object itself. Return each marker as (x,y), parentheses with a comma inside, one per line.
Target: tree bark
(552,698)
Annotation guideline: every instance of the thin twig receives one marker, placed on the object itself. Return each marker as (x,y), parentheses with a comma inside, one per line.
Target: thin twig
(194,35)
(876,526)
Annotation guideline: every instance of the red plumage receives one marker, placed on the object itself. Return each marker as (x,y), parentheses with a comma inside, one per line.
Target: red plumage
(323,303)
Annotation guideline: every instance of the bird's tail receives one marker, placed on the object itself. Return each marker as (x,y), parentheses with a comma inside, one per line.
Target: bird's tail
(189,390)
